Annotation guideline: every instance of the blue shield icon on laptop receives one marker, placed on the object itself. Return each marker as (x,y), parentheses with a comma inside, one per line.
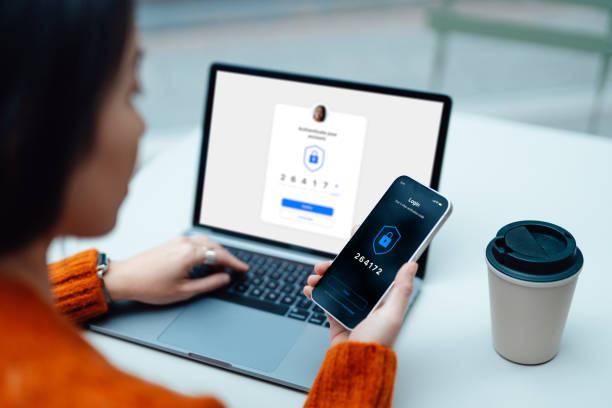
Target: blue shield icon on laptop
(386,239)
(313,157)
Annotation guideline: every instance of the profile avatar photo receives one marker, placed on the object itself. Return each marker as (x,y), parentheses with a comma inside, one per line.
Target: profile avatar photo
(319,113)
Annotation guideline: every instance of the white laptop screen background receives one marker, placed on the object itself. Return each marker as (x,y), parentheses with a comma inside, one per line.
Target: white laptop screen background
(274,171)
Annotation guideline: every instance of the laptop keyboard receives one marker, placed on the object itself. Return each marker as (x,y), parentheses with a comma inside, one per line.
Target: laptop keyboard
(272,284)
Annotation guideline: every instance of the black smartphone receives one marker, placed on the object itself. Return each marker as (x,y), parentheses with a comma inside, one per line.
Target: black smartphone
(397,230)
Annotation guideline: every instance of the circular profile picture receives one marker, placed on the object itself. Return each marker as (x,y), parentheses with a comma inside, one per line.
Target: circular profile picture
(319,113)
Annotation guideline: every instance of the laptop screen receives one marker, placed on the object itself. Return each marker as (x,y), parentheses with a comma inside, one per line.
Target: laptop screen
(300,161)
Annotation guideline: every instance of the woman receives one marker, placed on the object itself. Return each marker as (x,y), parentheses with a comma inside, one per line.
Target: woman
(319,113)
(68,143)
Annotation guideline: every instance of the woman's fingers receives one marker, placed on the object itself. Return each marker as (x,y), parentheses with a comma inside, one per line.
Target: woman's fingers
(226,258)
(222,255)
(192,287)
(354,229)
(308,291)
(313,280)
(321,267)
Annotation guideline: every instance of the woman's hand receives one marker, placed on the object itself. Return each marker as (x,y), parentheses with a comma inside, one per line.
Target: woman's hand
(161,275)
(384,323)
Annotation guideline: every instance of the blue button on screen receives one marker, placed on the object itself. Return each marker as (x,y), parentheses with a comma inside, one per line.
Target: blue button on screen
(300,205)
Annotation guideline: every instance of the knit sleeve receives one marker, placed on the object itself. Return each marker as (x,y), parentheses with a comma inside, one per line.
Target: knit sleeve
(355,374)
(76,287)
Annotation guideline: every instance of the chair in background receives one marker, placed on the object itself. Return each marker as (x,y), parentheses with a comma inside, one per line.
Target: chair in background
(446,20)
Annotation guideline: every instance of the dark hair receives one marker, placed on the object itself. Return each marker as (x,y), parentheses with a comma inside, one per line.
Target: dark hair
(58,57)
(323,112)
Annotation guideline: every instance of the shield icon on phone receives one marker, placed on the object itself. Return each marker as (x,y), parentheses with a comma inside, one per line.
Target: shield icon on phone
(386,239)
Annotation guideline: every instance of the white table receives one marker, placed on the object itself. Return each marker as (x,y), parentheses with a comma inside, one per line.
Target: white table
(495,172)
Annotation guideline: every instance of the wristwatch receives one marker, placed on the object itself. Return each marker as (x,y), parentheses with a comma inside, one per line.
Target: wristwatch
(101,269)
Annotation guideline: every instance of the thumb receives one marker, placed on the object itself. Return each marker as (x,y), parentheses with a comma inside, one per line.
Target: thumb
(209,283)
(399,295)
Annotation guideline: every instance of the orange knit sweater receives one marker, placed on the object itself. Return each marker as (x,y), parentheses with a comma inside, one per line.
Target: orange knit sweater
(45,362)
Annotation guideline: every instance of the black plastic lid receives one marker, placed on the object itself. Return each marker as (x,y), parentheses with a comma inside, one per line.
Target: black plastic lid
(534,251)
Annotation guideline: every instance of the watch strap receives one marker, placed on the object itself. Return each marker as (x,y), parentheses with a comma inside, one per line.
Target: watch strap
(101,269)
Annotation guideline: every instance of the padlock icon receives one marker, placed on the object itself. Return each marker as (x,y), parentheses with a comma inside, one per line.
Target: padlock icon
(385,240)
(314,157)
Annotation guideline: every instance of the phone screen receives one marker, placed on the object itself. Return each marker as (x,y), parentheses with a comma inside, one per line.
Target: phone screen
(390,235)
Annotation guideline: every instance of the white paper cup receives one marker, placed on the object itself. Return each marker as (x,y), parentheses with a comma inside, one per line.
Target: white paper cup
(533,268)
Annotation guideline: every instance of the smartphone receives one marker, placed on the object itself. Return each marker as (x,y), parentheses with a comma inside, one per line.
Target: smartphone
(397,230)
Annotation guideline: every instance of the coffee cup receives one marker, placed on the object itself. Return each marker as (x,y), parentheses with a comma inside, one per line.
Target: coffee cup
(533,267)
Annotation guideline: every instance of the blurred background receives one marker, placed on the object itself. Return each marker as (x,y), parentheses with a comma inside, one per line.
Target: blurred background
(543,62)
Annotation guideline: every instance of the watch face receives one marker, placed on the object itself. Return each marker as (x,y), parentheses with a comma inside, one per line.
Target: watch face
(101,269)
(102,266)
(102,259)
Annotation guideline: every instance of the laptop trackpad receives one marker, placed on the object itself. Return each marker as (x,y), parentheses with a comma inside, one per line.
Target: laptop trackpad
(233,333)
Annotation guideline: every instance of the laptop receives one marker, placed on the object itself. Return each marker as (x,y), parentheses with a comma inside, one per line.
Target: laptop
(288,165)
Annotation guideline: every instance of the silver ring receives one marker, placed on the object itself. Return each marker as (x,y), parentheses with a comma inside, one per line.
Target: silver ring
(211,256)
